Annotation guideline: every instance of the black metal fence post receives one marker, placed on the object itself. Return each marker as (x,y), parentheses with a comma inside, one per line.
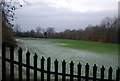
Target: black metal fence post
(87,72)
(102,73)
(48,68)
(118,74)
(63,70)
(56,70)
(3,62)
(72,76)
(35,67)
(11,64)
(71,70)
(94,72)
(42,69)
(79,71)
(28,66)
(20,63)
(110,74)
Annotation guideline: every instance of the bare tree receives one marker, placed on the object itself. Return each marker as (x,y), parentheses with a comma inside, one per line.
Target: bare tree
(107,22)
(50,30)
(44,31)
(38,30)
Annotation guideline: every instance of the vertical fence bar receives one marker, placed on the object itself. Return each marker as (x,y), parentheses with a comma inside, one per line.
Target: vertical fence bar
(3,62)
(102,73)
(110,74)
(117,74)
(20,63)
(79,71)
(42,69)
(94,72)
(87,72)
(63,70)
(48,68)
(11,64)
(28,64)
(35,67)
(71,70)
(56,70)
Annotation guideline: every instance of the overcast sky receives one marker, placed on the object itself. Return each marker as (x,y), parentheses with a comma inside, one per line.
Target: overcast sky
(64,14)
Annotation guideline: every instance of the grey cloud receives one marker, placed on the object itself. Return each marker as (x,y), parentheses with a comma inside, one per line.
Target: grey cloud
(41,14)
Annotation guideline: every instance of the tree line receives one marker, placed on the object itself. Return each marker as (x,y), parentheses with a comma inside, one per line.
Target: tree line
(106,31)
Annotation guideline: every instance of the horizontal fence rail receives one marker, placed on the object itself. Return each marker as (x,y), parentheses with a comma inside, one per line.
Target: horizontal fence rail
(28,67)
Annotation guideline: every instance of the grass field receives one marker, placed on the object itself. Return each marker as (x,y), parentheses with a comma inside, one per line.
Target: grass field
(76,50)
(85,45)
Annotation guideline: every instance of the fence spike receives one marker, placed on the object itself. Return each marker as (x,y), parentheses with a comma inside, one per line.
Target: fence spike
(63,70)
(43,58)
(35,67)
(56,61)
(20,50)
(48,68)
(95,66)
(27,67)
(87,65)
(63,62)
(87,71)
(102,73)
(71,63)
(94,72)
(35,56)
(71,70)
(110,67)
(110,73)
(28,53)
(118,68)
(42,68)
(102,68)
(56,70)
(48,58)
(118,74)
(79,65)
(20,63)
(79,71)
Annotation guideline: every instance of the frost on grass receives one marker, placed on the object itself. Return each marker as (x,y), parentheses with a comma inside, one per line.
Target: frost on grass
(53,50)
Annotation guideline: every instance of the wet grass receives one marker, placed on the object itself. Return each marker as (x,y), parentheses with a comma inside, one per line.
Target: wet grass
(59,49)
(84,45)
